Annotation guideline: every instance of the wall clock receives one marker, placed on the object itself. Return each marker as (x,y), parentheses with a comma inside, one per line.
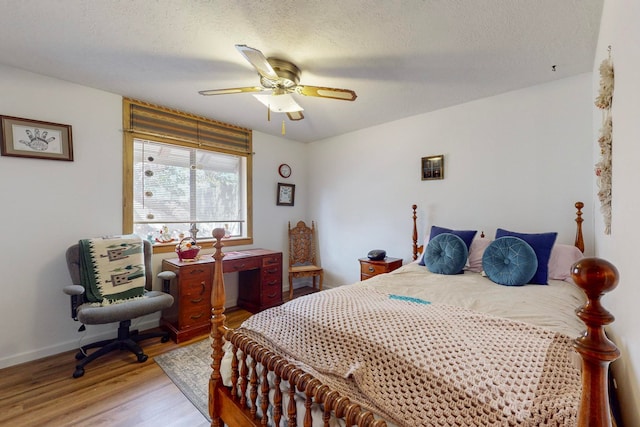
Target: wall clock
(284,170)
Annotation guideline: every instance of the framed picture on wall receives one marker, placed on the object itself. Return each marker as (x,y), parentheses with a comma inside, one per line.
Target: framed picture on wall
(432,167)
(286,194)
(35,139)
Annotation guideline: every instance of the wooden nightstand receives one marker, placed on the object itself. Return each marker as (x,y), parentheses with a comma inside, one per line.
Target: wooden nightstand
(369,268)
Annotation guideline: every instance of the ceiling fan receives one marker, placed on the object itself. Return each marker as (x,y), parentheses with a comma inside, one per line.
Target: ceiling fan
(279,79)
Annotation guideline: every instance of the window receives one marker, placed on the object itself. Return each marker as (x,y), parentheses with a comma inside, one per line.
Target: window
(174,185)
(183,187)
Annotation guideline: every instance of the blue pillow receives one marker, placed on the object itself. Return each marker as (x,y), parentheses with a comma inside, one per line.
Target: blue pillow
(466,236)
(509,261)
(446,254)
(542,243)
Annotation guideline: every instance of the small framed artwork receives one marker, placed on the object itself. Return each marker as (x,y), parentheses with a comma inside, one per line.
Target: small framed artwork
(286,194)
(35,139)
(432,167)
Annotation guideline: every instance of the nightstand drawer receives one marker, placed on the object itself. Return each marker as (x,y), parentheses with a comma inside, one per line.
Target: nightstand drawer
(372,269)
(369,268)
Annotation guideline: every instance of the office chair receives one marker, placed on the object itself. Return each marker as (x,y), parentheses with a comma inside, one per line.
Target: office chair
(95,314)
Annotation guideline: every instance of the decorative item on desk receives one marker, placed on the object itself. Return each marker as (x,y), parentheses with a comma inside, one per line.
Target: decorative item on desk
(165,237)
(377,254)
(187,249)
(194,231)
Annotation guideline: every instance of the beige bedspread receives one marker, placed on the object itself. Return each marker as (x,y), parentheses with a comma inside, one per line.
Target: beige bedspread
(396,344)
(552,306)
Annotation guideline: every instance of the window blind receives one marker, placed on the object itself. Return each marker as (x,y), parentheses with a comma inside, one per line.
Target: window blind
(150,120)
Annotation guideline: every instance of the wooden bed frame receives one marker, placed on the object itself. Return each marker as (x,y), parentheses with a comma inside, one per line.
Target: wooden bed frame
(593,275)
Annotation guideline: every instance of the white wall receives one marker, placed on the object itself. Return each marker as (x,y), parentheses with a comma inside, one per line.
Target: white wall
(49,205)
(619,29)
(518,161)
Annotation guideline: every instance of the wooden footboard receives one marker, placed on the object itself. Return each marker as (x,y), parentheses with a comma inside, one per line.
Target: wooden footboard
(243,404)
(232,407)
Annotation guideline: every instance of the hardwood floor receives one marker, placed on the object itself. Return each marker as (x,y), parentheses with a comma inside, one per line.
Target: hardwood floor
(116,390)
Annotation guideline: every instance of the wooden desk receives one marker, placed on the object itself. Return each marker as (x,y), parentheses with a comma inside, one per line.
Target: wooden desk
(259,287)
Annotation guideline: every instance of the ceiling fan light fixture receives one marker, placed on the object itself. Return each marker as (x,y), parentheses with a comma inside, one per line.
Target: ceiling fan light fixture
(279,103)
(281,78)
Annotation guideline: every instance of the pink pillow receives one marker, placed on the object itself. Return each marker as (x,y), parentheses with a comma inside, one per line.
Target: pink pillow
(476,250)
(561,260)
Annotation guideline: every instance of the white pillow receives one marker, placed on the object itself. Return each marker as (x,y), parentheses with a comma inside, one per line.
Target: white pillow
(476,250)
(561,260)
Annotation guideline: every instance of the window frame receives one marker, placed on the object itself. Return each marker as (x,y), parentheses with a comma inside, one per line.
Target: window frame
(130,134)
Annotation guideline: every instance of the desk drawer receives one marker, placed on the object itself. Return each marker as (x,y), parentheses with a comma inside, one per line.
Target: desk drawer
(195,274)
(272,280)
(271,293)
(272,260)
(233,265)
(274,270)
(193,288)
(193,314)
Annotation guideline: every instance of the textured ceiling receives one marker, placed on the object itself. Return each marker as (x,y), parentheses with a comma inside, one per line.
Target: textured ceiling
(401,57)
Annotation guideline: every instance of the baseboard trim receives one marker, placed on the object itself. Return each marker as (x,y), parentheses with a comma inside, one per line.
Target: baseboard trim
(74,344)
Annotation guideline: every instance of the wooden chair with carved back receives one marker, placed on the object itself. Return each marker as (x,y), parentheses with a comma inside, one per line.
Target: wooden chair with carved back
(302,255)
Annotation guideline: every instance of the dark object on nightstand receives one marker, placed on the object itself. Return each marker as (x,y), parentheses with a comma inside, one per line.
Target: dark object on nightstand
(377,254)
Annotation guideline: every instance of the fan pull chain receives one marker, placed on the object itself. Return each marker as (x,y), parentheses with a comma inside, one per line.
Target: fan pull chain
(283,129)
(268,113)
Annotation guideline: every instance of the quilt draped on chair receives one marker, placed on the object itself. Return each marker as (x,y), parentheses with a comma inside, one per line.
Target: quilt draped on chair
(112,268)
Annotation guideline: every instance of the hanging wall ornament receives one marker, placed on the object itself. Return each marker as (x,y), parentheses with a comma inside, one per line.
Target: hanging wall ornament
(603,171)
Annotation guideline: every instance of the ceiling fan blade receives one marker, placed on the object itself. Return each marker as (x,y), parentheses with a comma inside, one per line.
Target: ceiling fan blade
(231,90)
(258,60)
(280,103)
(327,92)
(295,115)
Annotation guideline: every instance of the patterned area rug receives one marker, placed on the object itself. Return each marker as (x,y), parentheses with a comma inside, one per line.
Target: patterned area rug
(189,368)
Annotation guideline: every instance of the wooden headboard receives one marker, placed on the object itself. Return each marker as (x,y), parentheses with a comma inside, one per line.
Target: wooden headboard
(578,242)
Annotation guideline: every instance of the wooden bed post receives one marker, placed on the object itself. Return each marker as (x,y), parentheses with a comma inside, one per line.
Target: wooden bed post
(579,242)
(217,329)
(415,234)
(595,277)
